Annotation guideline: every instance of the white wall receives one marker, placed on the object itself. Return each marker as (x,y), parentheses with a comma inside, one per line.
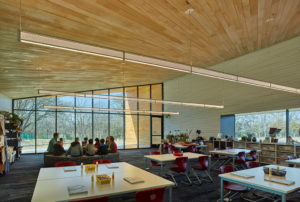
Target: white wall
(5,103)
(190,118)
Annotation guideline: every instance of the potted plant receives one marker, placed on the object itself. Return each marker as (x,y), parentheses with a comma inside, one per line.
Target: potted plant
(243,138)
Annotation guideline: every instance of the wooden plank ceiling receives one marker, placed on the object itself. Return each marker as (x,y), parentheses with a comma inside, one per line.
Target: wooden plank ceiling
(216,31)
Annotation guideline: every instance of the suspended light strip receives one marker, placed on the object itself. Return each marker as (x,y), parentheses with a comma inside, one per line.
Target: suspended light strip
(62,44)
(52,42)
(86,95)
(156,62)
(112,110)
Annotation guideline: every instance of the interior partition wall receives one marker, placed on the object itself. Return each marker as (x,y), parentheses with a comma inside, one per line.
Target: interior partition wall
(130,130)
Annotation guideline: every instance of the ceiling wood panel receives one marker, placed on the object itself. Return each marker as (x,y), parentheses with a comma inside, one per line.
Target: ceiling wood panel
(217,31)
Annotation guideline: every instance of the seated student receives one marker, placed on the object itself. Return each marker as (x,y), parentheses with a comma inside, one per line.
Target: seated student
(103,149)
(84,142)
(58,149)
(52,142)
(61,142)
(75,148)
(97,143)
(90,148)
(112,146)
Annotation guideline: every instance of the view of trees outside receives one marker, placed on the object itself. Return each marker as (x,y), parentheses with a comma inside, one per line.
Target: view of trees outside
(259,124)
(40,123)
(294,121)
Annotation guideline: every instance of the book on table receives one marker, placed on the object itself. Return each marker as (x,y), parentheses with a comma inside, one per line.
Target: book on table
(111,166)
(69,169)
(133,180)
(77,189)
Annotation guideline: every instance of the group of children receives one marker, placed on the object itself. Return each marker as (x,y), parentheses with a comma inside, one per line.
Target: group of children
(86,148)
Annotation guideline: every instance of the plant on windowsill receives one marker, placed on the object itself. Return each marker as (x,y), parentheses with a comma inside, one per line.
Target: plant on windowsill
(243,138)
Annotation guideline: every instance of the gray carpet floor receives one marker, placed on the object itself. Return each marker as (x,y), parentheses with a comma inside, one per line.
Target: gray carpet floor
(18,184)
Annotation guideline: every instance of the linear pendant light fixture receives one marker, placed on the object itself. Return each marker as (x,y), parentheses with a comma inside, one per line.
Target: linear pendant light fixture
(63,44)
(112,110)
(88,95)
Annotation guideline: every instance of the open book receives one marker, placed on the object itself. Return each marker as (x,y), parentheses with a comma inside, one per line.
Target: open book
(77,189)
(133,180)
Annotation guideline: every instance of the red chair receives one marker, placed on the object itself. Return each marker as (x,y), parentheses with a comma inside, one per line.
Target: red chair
(236,188)
(241,160)
(65,163)
(154,163)
(291,157)
(172,149)
(251,164)
(151,195)
(192,148)
(252,157)
(101,199)
(101,161)
(218,160)
(180,169)
(202,166)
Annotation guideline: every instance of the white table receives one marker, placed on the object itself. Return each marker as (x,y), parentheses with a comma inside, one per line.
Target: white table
(294,161)
(180,147)
(163,158)
(233,153)
(259,183)
(52,183)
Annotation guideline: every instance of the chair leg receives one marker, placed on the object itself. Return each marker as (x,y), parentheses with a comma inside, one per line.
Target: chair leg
(188,177)
(195,174)
(173,178)
(207,173)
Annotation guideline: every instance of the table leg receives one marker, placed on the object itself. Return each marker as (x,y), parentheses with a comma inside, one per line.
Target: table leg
(146,167)
(170,194)
(161,168)
(233,162)
(222,190)
(283,198)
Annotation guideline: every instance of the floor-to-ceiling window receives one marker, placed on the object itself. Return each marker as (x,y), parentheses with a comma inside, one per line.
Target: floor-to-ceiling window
(294,124)
(259,124)
(130,130)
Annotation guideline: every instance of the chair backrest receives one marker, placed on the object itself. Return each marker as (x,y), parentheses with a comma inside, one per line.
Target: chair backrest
(172,149)
(151,195)
(102,161)
(191,148)
(241,156)
(154,153)
(251,164)
(253,155)
(101,199)
(203,160)
(226,169)
(65,163)
(181,163)
(291,157)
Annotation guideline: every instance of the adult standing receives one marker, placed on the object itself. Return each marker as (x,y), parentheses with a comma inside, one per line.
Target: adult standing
(52,142)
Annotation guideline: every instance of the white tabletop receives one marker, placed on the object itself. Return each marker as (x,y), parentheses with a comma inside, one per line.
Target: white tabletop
(232,151)
(56,189)
(171,157)
(58,172)
(294,161)
(259,182)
